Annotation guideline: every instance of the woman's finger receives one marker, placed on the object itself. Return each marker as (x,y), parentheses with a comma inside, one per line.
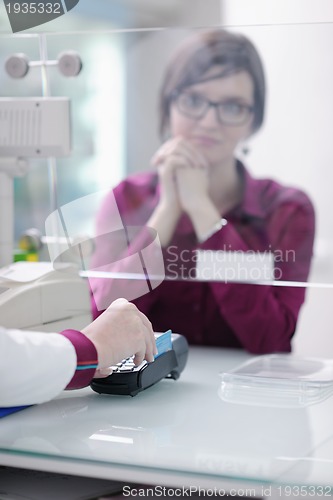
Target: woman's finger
(180,147)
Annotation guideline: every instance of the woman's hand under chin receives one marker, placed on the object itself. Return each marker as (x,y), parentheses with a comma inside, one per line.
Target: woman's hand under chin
(184,184)
(182,174)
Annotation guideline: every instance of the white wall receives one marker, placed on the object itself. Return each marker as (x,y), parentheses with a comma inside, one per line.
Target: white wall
(295,39)
(255,12)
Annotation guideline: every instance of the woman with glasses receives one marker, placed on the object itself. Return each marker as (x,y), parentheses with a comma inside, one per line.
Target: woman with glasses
(200,197)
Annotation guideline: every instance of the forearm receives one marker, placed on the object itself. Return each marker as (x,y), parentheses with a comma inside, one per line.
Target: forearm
(204,217)
(164,220)
(35,367)
(262,317)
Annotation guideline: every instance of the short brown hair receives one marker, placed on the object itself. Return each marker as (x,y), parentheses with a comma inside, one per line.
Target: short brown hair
(198,54)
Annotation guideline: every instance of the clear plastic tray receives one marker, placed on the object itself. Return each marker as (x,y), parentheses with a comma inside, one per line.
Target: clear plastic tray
(279,380)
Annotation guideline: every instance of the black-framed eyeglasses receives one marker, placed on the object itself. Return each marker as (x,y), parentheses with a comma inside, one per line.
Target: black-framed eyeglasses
(228,112)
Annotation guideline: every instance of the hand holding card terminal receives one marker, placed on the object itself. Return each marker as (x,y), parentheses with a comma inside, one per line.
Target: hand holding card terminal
(128,379)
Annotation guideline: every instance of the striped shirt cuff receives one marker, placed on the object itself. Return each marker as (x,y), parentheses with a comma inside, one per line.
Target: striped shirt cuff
(87,359)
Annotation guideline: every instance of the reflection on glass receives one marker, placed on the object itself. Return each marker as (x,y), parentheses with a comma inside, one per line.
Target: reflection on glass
(219,227)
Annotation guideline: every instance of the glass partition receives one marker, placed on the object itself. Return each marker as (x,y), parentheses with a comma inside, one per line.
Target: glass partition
(235,188)
(115,118)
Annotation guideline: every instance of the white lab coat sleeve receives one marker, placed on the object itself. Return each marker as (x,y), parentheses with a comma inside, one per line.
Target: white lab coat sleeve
(34,367)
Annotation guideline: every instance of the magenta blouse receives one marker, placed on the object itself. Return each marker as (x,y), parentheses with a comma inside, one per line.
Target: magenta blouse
(259,318)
